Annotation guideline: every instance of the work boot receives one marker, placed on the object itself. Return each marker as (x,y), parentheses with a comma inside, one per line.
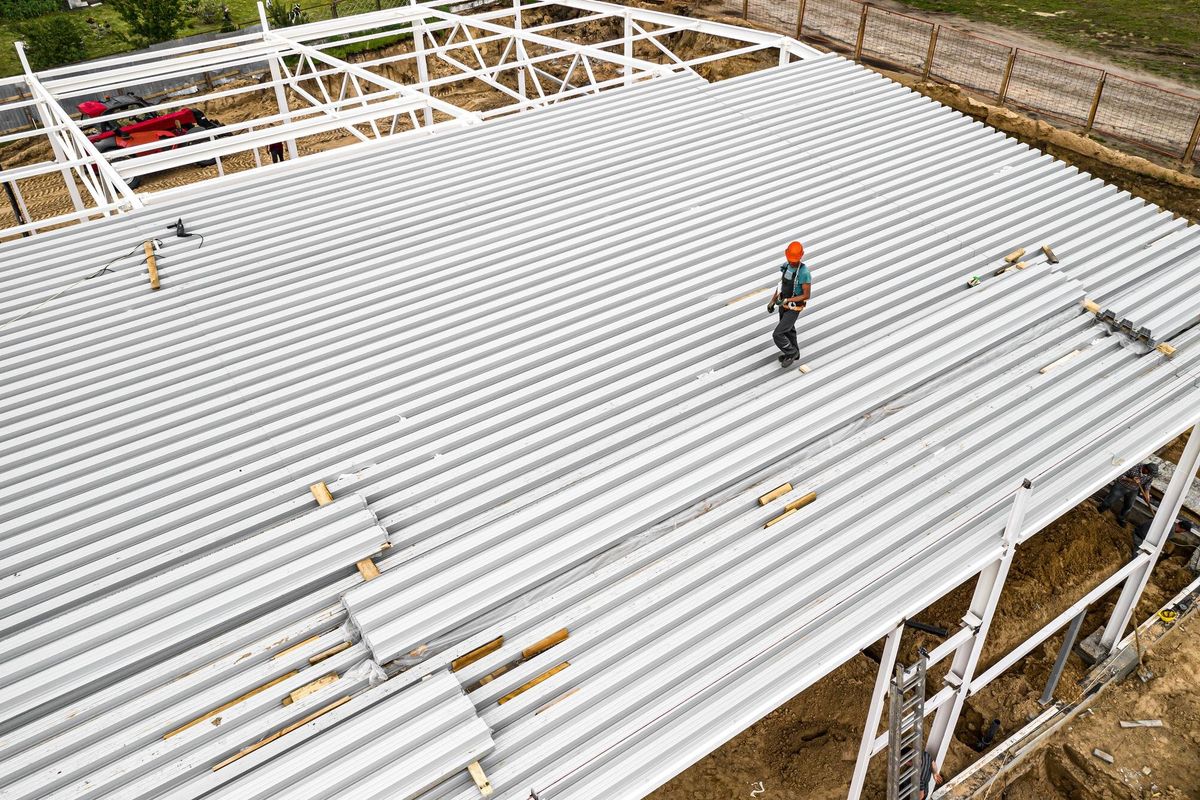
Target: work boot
(787,361)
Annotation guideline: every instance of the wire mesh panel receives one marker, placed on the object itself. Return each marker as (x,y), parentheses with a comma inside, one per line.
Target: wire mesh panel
(836,21)
(1138,112)
(970,61)
(897,39)
(779,14)
(1053,86)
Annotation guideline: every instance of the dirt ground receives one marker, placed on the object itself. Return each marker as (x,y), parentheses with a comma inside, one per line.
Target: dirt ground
(1147,762)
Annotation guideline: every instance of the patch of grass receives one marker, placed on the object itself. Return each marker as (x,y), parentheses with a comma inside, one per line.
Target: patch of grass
(98,45)
(1158,36)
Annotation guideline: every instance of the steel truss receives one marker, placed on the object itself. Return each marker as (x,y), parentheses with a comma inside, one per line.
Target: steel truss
(966,645)
(317,91)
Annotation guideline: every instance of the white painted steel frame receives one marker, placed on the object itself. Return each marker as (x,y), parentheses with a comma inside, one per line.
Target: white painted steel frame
(272,47)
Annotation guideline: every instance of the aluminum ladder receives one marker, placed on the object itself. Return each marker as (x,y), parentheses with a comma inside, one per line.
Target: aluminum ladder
(906,732)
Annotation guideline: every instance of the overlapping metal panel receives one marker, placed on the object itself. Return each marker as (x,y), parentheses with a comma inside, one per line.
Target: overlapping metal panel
(531,342)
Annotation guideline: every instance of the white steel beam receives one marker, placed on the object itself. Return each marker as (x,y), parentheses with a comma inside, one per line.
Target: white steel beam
(988,587)
(1156,537)
(887,663)
(277,82)
(46,116)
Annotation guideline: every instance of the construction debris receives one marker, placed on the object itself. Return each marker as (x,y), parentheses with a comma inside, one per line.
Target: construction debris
(1103,756)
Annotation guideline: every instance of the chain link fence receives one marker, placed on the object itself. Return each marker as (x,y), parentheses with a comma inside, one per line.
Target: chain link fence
(1094,99)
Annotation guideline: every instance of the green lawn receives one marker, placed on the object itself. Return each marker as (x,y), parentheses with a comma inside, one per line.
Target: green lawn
(244,12)
(1158,36)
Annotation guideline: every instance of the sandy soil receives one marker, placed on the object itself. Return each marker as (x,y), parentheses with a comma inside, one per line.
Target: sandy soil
(1147,762)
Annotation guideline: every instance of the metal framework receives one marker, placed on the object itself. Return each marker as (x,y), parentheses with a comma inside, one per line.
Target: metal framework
(317,91)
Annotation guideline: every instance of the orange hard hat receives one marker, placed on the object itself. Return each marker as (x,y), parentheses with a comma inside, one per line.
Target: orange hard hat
(795,252)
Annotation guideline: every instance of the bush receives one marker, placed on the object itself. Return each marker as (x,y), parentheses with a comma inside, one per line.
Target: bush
(206,12)
(280,14)
(151,21)
(52,41)
(28,9)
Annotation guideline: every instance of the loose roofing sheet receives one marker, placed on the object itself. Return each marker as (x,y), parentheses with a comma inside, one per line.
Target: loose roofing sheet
(530,343)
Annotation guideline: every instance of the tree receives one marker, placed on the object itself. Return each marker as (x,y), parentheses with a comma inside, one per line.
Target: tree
(151,21)
(52,41)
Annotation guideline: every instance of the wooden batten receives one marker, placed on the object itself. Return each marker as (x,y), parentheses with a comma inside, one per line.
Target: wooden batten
(230,704)
(480,778)
(476,654)
(1015,255)
(294,647)
(245,751)
(322,493)
(324,654)
(800,502)
(1053,259)
(151,264)
(524,687)
(367,569)
(309,688)
(543,645)
(775,493)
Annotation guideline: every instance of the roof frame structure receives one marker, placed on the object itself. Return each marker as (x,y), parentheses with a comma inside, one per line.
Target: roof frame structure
(525,66)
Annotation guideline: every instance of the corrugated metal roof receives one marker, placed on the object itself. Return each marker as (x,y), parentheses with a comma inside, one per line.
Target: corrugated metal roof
(531,342)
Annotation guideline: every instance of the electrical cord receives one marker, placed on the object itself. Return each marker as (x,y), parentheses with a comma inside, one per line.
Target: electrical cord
(106,268)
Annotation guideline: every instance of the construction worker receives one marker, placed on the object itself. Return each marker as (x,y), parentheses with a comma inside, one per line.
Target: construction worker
(791,297)
(1136,481)
(1180,527)
(930,778)
(276,150)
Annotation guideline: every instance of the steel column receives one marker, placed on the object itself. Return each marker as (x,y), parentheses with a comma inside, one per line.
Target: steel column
(277,81)
(47,122)
(866,747)
(1059,663)
(418,34)
(988,587)
(1156,537)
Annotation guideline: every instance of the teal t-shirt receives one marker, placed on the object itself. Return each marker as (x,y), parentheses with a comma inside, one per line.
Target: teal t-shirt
(794,278)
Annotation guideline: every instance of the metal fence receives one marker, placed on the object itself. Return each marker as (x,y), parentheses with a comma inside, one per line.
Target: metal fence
(1088,97)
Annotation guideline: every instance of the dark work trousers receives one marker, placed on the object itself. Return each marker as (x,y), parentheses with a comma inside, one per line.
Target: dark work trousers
(276,156)
(1121,494)
(785,333)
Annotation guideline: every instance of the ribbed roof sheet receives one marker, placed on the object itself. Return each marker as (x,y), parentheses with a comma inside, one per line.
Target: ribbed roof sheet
(529,343)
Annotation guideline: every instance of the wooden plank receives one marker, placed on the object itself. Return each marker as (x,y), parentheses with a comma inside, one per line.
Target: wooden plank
(805,368)
(496,673)
(296,646)
(367,569)
(476,654)
(321,492)
(324,654)
(230,704)
(800,503)
(1015,255)
(245,751)
(524,687)
(775,493)
(1091,306)
(481,780)
(308,688)
(543,645)
(780,518)
(151,264)
(557,700)
(1053,259)
(1059,362)
(1166,349)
